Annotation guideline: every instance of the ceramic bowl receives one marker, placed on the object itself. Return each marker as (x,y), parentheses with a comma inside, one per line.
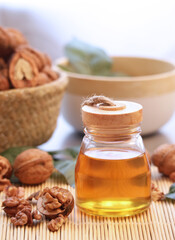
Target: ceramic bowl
(150,82)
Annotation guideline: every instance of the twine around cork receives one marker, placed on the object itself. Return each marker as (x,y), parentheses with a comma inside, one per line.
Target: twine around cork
(103,103)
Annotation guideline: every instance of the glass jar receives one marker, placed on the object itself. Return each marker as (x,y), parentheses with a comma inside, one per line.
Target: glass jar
(112,174)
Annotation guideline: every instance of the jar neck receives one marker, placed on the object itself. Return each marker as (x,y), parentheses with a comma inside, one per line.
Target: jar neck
(110,135)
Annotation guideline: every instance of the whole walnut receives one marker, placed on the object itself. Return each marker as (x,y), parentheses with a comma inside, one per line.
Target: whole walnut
(33,166)
(164,158)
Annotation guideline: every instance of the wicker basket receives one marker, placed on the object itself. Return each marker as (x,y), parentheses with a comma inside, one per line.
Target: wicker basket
(28,116)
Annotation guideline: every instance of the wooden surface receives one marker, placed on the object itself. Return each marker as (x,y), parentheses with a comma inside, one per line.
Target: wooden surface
(157,223)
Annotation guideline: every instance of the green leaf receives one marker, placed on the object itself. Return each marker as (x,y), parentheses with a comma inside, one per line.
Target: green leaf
(14,179)
(172,188)
(87,59)
(68,68)
(67,168)
(64,162)
(171,194)
(65,153)
(12,153)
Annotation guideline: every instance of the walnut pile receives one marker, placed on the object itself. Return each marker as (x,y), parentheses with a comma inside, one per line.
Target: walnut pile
(164,158)
(20,65)
(54,203)
(5,172)
(33,166)
(20,211)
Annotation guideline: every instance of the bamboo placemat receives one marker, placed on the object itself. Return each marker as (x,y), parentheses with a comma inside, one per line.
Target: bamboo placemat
(156,223)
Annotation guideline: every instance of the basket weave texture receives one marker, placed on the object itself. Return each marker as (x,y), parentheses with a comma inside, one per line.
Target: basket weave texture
(28,116)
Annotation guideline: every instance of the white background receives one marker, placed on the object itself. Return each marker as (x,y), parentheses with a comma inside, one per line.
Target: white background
(125,27)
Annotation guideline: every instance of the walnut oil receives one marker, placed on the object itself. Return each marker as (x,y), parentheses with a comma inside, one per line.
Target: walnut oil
(112,182)
(112,173)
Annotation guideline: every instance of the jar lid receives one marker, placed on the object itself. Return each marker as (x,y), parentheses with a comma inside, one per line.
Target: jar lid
(119,114)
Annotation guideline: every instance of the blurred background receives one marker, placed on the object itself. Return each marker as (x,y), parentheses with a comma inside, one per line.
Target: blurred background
(137,27)
(122,28)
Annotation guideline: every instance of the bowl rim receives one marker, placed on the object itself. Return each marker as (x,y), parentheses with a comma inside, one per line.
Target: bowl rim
(64,60)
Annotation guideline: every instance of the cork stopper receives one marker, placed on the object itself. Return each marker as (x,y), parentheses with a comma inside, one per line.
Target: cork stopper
(98,112)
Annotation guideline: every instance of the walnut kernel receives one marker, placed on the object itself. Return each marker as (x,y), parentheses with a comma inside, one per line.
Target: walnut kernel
(55,224)
(156,194)
(55,201)
(12,191)
(22,218)
(36,215)
(13,205)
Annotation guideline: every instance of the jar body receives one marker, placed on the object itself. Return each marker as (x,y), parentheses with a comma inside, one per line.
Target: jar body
(113,178)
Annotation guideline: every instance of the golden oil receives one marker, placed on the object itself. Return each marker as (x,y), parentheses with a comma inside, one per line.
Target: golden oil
(112,182)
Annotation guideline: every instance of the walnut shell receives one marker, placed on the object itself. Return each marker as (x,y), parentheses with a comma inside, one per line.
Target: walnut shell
(4,82)
(38,57)
(33,166)
(22,70)
(164,158)
(55,201)
(159,153)
(10,39)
